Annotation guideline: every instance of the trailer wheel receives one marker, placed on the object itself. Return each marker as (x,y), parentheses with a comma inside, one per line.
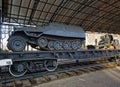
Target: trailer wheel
(16,43)
(50,65)
(18,69)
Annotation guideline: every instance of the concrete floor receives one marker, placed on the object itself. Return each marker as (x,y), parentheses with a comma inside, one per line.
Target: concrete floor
(103,78)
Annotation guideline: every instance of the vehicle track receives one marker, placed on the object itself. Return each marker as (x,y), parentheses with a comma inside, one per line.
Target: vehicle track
(63,71)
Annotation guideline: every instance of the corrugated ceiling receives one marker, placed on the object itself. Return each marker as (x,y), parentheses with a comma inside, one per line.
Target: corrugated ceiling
(92,15)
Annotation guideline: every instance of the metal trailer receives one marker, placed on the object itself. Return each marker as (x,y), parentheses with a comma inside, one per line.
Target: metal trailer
(18,63)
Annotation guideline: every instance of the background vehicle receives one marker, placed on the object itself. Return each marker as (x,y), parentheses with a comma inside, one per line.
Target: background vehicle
(107,41)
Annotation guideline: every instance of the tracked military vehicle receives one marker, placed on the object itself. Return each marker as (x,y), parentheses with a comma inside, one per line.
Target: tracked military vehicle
(50,37)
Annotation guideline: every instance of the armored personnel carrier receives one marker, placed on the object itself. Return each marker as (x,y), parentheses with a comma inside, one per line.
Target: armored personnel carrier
(50,37)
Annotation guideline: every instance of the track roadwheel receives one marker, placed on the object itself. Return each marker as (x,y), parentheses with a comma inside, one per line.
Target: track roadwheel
(58,45)
(76,45)
(51,45)
(16,43)
(67,45)
(18,69)
(42,42)
(50,65)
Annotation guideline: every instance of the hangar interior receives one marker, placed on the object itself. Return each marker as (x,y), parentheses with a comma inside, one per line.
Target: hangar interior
(55,54)
(92,15)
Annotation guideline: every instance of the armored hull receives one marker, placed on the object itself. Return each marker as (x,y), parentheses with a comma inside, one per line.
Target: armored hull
(50,37)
